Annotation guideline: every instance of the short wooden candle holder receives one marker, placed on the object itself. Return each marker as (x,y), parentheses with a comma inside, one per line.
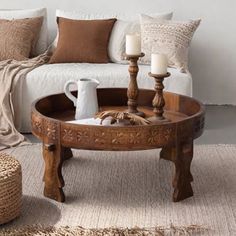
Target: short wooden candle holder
(158,101)
(133,91)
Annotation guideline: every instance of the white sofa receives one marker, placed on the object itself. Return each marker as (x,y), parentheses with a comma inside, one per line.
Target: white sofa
(50,79)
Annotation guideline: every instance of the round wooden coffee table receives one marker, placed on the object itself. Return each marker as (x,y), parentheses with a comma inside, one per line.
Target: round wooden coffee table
(175,137)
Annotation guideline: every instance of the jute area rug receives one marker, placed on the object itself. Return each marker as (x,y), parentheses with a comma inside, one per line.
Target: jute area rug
(129,189)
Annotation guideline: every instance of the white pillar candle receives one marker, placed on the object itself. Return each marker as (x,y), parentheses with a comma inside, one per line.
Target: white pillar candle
(159,64)
(133,44)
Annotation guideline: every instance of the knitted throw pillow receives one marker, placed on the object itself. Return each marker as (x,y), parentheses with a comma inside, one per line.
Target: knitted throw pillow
(172,38)
(19,37)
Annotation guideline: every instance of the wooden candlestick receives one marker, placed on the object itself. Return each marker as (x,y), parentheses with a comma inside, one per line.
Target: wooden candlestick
(158,101)
(133,91)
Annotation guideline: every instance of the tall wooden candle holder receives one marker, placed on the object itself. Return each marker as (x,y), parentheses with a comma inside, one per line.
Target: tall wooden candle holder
(133,90)
(158,101)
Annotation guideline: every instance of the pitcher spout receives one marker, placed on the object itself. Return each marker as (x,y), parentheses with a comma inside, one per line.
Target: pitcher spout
(92,82)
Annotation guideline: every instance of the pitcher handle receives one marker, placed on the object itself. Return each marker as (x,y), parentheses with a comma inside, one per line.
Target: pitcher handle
(68,92)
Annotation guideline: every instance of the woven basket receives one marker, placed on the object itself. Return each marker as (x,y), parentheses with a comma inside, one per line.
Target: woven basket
(10,188)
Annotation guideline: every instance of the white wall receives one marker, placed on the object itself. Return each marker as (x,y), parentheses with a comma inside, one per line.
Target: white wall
(213,51)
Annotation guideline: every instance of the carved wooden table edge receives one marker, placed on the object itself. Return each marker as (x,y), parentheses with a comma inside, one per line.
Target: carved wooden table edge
(175,139)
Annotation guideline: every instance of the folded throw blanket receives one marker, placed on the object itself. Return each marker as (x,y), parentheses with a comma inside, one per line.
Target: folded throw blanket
(12,71)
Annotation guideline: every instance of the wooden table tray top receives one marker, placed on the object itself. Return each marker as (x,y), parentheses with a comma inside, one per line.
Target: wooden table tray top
(186,115)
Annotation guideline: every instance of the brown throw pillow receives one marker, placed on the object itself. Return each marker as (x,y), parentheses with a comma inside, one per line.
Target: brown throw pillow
(83,41)
(19,37)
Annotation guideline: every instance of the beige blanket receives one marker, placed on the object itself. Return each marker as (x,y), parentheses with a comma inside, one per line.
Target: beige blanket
(11,72)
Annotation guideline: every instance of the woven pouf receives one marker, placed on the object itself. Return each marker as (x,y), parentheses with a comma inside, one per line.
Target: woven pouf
(10,188)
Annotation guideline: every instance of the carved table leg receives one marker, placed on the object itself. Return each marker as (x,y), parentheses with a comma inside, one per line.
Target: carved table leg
(182,156)
(53,157)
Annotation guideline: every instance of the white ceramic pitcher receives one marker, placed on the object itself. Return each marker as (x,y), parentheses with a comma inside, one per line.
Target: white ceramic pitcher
(86,104)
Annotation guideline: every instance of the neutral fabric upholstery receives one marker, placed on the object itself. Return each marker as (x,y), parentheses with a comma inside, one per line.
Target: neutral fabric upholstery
(50,79)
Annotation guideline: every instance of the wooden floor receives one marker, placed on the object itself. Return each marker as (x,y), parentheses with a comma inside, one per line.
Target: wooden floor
(220,126)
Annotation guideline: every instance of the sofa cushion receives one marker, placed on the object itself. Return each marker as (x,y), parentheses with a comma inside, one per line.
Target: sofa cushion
(18,37)
(83,41)
(172,38)
(120,30)
(50,79)
(42,42)
(126,24)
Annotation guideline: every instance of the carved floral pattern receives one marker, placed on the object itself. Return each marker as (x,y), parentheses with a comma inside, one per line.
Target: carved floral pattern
(51,130)
(82,135)
(134,138)
(67,135)
(167,134)
(37,125)
(118,138)
(154,136)
(160,135)
(100,137)
(114,137)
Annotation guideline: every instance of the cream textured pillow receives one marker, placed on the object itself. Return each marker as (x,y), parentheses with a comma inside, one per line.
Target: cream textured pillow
(172,38)
(125,24)
(117,41)
(18,37)
(121,28)
(42,43)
